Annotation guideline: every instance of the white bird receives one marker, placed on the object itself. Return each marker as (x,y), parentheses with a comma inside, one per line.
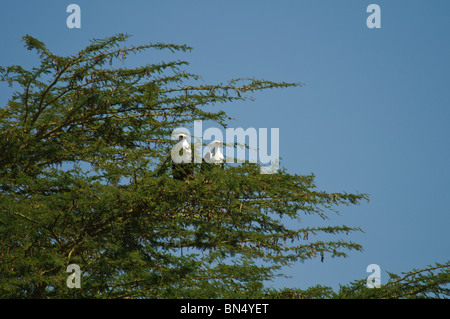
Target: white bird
(186,150)
(216,157)
(182,166)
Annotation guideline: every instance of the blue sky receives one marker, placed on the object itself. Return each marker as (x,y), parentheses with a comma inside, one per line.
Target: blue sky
(373,115)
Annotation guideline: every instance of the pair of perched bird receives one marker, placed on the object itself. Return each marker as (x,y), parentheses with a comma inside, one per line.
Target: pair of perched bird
(184,168)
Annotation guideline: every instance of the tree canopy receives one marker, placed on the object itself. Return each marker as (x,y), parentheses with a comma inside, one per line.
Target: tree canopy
(85,179)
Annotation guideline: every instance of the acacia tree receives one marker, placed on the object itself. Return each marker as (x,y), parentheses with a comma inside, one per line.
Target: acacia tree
(85,179)
(428,283)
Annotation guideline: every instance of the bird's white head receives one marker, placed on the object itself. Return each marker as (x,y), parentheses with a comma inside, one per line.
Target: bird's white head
(217,155)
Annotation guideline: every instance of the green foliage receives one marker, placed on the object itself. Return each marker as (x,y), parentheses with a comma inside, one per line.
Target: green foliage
(84,180)
(430,282)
